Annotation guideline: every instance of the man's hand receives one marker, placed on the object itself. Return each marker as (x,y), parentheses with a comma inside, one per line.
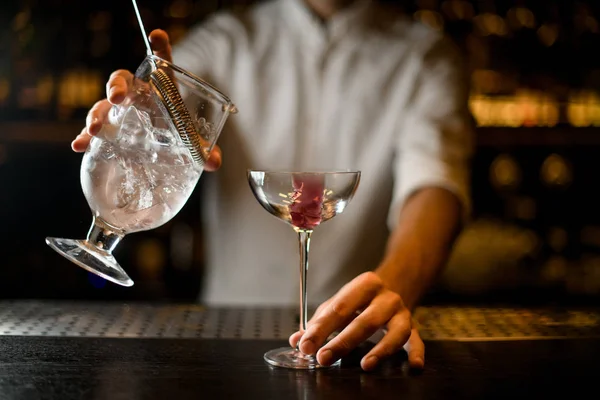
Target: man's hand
(117,88)
(360,308)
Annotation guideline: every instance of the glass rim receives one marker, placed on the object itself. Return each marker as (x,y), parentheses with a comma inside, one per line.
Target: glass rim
(206,85)
(313,172)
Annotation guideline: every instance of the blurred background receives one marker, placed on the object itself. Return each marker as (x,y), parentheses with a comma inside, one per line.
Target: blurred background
(535,69)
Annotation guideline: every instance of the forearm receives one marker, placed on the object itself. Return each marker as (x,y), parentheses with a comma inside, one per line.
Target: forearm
(419,246)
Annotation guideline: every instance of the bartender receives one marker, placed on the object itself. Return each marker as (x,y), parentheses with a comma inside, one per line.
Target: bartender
(330,85)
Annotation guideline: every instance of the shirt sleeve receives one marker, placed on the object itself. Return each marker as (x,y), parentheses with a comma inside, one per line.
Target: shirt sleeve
(436,138)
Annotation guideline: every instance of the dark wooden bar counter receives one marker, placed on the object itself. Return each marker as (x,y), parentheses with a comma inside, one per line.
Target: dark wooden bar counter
(87,351)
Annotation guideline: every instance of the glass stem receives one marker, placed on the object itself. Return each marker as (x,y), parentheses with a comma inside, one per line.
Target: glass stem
(304,242)
(103,237)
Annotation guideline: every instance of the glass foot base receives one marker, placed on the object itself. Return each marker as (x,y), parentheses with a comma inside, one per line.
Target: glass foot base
(89,258)
(287,357)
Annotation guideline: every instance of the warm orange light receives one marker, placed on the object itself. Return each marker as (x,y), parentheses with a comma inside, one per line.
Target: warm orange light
(430,18)
(525,108)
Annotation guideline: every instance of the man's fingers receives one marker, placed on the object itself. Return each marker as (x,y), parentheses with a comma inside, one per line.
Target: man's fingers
(96,116)
(214,160)
(399,330)
(415,349)
(117,86)
(316,314)
(380,311)
(351,298)
(161,46)
(81,142)
(294,338)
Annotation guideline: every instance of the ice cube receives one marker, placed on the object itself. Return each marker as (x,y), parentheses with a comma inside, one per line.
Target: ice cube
(145,120)
(164,137)
(135,129)
(115,115)
(106,149)
(135,189)
(109,132)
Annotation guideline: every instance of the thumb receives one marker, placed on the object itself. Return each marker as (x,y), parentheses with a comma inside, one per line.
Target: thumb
(159,40)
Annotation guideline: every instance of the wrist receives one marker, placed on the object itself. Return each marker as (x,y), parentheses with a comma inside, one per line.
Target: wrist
(403,275)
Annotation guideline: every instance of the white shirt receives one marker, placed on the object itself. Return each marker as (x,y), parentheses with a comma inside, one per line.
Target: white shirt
(371,91)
